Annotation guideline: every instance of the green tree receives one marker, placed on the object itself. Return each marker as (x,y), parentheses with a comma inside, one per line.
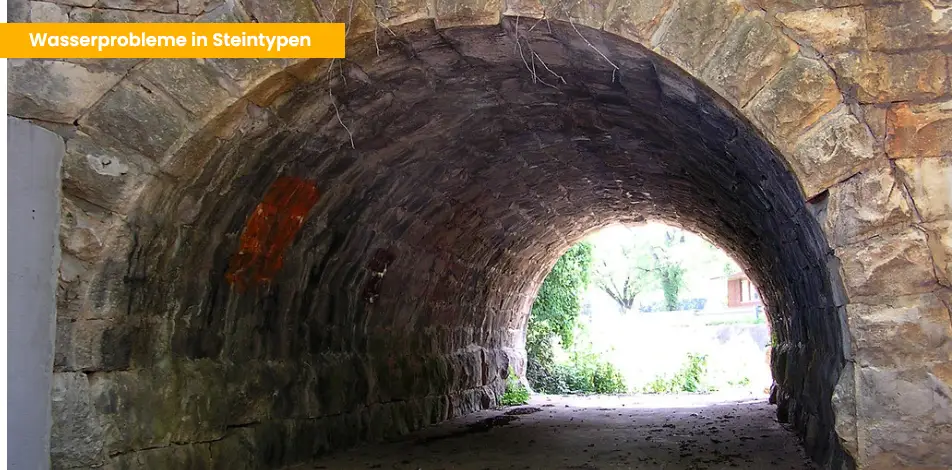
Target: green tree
(668,257)
(623,270)
(555,312)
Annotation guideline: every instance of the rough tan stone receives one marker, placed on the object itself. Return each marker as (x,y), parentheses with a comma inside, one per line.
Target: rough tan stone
(104,174)
(689,34)
(77,3)
(796,98)
(880,77)
(292,11)
(889,265)
(450,13)
(53,90)
(102,15)
(162,6)
(906,332)
(908,25)
(139,118)
(194,83)
(635,19)
(835,148)
(930,182)
(85,230)
(396,12)
(46,12)
(76,434)
(940,242)
(861,205)
(197,7)
(919,130)
(751,53)
(827,30)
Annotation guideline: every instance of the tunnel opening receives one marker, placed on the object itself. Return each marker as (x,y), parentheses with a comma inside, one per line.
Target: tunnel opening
(356,259)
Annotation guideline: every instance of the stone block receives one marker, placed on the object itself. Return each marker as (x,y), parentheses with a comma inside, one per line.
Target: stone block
(197,7)
(230,11)
(452,13)
(908,25)
(751,53)
(828,30)
(76,438)
(85,230)
(291,11)
(178,401)
(881,77)
(53,90)
(908,332)
(889,265)
(101,172)
(940,242)
(637,20)
(102,15)
(796,98)
(844,409)
(930,184)
(140,118)
(18,11)
(46,12)
(397,12)
(904,416)
(924,130)
(689,34)
(194,83)
(162,6)
(863,204)
(835,148)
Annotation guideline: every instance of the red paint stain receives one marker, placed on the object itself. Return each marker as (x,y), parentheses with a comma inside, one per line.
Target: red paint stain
(270,230)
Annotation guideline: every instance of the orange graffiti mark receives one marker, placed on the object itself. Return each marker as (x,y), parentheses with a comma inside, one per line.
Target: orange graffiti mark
(270,230)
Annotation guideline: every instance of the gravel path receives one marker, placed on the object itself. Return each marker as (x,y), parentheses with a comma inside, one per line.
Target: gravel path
(629,432)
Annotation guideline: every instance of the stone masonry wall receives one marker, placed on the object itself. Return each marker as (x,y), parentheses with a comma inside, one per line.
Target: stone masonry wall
(439,171)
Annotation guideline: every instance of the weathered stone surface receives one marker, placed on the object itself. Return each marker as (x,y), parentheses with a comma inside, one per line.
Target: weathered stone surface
(880,77)
(18,11)
(940,242)
(230,11)
(864,204)
(152,408)
(450,13)
(85,229)
(102,173)
(930,182)
(914,131)
(194,83)
(397,12)
(835,148)
(637,20)
(45,12)
(101,15)
(293,11)
(751,53)
(140,118)
(162,6)
(54,90)
(691,31)
(908,25)
(77,3)
(907,333)
(76,437)
(795,99)
(844,408)
(197,7)
(908,411)
(889,265)
(827,30)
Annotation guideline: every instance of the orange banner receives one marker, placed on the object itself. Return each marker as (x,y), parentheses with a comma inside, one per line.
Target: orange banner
(171,40)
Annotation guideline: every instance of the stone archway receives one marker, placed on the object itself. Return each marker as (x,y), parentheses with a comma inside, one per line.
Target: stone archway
(441,170)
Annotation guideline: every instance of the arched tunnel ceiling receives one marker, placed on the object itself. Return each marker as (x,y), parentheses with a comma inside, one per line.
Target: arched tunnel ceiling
(414,198)
(287,259)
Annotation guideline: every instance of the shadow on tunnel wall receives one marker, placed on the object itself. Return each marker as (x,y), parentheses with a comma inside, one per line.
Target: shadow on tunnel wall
(357,259)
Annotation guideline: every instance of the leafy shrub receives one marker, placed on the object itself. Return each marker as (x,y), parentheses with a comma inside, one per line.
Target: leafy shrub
(689,379)
(516,393)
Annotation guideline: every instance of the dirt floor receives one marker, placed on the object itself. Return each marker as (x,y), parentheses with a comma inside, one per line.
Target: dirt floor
(686,432)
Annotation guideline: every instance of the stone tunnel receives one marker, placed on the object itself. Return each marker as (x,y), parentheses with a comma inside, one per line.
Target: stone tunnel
(265,260)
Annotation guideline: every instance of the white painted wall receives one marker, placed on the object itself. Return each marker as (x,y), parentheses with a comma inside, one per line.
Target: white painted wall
(33,192)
